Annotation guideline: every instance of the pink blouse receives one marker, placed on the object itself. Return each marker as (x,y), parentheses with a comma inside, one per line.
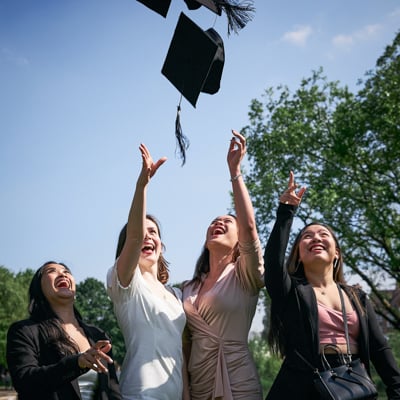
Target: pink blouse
(331,326)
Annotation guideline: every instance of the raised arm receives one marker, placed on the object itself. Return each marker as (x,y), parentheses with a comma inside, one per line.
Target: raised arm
(243,205)
(135,231)
(277,280)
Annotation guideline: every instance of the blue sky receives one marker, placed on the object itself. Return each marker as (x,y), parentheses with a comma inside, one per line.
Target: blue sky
(81,87)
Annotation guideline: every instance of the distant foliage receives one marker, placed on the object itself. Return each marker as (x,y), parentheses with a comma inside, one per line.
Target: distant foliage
(345,148)
(96,308)
(267,364)
(13,302)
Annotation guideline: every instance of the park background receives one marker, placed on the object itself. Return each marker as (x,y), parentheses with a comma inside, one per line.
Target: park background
(81,87)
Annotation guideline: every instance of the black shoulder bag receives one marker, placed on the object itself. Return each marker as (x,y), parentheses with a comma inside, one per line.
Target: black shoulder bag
(349,381)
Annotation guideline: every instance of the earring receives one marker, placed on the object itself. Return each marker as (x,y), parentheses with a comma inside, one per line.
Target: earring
(335,262)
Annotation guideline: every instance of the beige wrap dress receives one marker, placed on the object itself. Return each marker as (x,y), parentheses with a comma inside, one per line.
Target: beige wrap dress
(220,364)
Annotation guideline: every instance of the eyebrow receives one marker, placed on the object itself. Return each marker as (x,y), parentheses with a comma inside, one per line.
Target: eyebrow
(49,268)
(318,231)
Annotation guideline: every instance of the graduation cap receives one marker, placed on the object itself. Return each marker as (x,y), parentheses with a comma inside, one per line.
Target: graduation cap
(159,6)
(238,13)
(210,4)
(193,64)
(195,60)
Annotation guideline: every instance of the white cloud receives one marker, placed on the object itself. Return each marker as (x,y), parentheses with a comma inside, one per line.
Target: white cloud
(395,13)
(346,42)
(299,36)
(9,56)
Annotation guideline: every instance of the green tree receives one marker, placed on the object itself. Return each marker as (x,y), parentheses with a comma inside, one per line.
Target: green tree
(96,308)
(267,364)
(13,302)
(346,149)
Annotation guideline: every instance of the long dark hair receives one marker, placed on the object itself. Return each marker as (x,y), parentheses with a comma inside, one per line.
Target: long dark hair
(40,311)
(162,263)
(203,262)
(295,269)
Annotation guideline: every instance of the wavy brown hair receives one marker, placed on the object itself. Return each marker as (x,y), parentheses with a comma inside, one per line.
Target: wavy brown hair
(162,263)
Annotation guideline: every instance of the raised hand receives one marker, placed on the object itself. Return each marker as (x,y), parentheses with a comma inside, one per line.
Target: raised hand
(149,168)
(237,150)
(289,196)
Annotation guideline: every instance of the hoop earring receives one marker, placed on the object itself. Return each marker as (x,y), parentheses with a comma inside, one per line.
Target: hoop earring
(335,262)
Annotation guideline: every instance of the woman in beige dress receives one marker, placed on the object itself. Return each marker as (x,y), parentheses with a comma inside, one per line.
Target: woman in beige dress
(220,301)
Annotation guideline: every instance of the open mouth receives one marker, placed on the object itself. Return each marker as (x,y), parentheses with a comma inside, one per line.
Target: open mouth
(148,248)
(63,284)
(317,248)
(218,231)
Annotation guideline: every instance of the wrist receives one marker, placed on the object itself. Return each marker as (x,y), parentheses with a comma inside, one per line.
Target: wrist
(81,363)
(235,177)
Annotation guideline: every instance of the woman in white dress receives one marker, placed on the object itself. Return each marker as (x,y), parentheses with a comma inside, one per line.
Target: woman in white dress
(149,313)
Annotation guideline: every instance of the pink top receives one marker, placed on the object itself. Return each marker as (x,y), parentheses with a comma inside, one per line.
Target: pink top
(331,326)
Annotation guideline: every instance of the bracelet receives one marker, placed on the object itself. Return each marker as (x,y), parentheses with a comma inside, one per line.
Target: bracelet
(235,178)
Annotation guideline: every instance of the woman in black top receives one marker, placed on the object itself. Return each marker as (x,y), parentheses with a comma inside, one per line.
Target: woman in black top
(298,287)
(52,354)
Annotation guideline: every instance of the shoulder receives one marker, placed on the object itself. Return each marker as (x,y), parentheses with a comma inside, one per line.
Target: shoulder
(356,291)
(24,334)
(24,325)
(175,289)
(188,283)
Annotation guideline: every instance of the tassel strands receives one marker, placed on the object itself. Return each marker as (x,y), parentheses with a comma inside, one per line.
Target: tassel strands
(181,139)
(238,13)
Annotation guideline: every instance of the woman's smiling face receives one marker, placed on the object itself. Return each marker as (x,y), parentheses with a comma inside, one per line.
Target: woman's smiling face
(317,245)
(57,282)
(151,248)
(223,230)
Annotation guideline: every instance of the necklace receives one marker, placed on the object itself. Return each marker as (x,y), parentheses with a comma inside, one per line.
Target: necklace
(320,290)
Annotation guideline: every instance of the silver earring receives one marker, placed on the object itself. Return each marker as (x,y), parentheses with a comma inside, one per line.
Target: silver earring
(335,262)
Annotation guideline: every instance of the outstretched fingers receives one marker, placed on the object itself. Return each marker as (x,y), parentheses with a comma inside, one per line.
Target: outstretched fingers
(96,358)
(290,196)
(148,163)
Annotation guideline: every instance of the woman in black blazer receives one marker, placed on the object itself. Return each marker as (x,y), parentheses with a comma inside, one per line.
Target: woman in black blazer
(305,300)
(52,355)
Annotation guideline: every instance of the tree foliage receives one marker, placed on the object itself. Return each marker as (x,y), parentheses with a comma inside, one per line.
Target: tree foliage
(96,308)
(345,148)
(13,302)
(267,364)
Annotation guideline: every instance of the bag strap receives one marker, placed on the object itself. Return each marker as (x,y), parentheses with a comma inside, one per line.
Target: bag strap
(346,328)
(346,332)
(315,370)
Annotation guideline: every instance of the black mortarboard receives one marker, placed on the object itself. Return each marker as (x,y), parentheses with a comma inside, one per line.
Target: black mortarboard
(159,6)
(193,64)
(237,12)
(195,60)
(210,4)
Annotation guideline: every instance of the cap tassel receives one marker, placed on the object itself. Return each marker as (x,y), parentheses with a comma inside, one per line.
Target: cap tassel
(238,14)
(182,140)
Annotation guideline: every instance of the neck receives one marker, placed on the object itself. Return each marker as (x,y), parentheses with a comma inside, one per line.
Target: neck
(218,262)
(320,281)
(149,272)
(67,315)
